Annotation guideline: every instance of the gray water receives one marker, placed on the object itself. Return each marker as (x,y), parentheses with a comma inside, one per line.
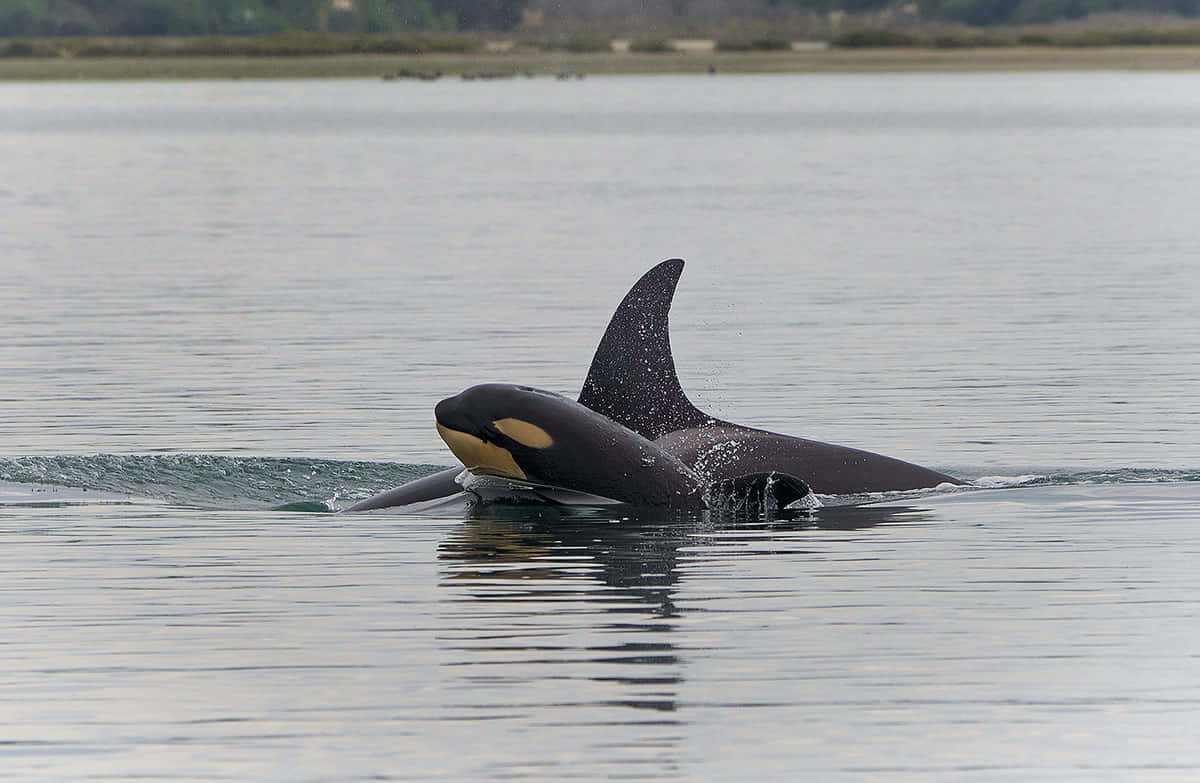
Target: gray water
(220,298)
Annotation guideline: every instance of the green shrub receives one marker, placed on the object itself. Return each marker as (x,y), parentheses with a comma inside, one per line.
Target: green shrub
(651,46)
(17,49)
(207,47)
(578,44)
(1170,36)
(124,47)
(969,41)
(1034,39)
(857,39)
(291,44)
(754,45)
(417,44)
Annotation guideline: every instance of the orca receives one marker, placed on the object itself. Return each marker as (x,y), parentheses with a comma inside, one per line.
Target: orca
(632,381)
(532,435)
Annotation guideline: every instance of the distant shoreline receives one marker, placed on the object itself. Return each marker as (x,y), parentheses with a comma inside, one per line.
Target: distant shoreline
(543,64)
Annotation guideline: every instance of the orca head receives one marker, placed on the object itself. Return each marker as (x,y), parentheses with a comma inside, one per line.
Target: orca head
(510,431)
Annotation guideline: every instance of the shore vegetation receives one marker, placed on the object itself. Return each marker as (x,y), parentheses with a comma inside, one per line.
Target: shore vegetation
(640,19)
(790,43)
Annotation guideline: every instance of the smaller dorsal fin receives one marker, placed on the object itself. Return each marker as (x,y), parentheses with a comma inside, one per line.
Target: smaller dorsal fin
(632,379)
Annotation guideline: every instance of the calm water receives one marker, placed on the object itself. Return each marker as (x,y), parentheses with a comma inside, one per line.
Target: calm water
(219,298)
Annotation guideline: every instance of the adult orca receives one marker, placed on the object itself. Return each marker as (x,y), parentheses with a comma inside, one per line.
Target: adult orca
(632,380)
(527,434)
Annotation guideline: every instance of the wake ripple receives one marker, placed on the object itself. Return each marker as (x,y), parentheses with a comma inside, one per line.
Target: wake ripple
(209,481)
(298,484)
(1064,478)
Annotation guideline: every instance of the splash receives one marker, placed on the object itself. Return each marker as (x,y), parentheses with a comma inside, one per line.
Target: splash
(712,460)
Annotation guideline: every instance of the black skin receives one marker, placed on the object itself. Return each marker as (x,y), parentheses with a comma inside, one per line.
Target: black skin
(828,469)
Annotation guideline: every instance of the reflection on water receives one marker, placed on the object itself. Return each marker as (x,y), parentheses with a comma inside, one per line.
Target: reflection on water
(638,554)
(537,566)
(518,540)
(894,641)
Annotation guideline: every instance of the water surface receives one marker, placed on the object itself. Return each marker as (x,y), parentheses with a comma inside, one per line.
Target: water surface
(224,297)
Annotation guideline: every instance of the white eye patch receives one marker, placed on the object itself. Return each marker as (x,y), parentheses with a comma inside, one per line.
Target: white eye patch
(523,432)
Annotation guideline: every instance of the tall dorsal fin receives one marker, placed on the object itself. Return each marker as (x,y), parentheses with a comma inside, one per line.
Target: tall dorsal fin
(632,379)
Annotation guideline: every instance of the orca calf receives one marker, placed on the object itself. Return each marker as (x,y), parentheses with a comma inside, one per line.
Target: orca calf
(632,384)
(527,434)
